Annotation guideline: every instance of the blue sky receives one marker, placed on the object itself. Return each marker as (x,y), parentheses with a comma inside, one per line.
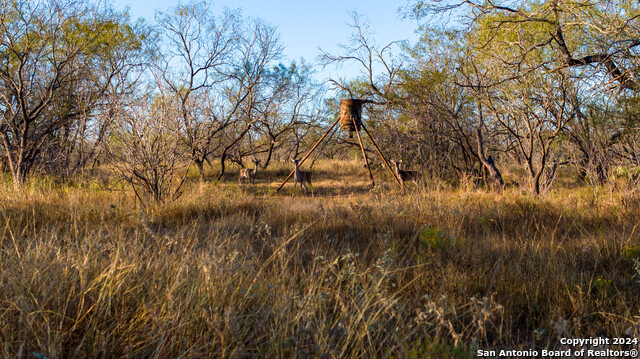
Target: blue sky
(306,25)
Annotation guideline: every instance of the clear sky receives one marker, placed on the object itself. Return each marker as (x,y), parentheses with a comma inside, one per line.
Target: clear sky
(307,25)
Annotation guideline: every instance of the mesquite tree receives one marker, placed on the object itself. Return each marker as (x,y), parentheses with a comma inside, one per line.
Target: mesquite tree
(145,145)
(57,60)
(215,68)
(195,55)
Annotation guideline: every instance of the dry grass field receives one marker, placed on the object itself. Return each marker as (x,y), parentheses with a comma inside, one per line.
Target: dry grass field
(348,272)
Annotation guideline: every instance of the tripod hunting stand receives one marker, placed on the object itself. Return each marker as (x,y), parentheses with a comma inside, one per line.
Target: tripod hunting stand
(351,120)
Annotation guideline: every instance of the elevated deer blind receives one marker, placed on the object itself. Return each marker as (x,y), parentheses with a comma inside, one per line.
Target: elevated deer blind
(351,121)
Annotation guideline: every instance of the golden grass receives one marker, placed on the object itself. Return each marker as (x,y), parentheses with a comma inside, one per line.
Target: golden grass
(240,271)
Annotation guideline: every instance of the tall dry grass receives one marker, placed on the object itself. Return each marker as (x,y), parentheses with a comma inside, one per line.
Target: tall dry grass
(240,271)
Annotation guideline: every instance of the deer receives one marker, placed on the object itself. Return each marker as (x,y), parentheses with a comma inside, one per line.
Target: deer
(300,176)
(406,176)
(249,173)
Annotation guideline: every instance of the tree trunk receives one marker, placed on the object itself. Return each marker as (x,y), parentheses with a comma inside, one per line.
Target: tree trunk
(19,175)
(269,153)
(488,163)
(200,164)
(224,153)
(536,183)
(223,158)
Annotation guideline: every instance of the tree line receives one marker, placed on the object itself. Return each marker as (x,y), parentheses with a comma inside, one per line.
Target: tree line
(82,84)
(541,85)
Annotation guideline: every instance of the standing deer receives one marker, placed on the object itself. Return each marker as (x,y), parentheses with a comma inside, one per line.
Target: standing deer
(406,176)
(249,173)
(301,176)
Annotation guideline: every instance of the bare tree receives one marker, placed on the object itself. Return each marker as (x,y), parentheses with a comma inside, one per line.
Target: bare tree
(195,64)
(215,68)
(257,47)
(379,69)
(292,103)
(145,146)
(534,112)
